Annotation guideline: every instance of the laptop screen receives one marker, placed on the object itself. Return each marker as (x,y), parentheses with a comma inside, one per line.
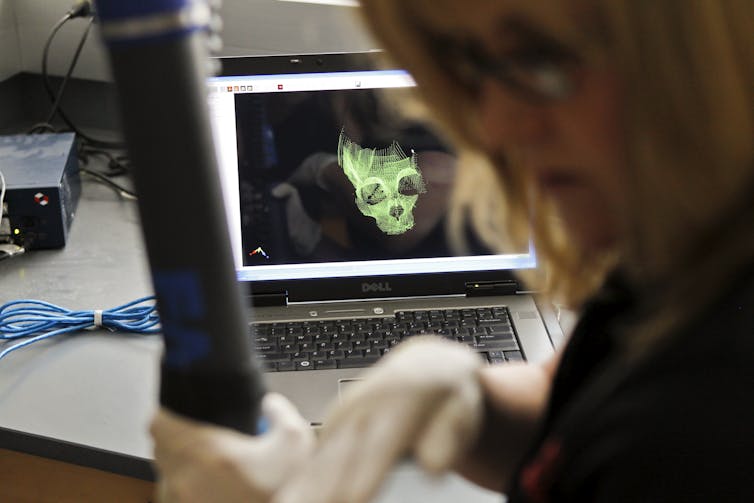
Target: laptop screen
(325,178)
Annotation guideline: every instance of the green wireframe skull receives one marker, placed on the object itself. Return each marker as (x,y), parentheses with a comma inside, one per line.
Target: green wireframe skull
(387,183)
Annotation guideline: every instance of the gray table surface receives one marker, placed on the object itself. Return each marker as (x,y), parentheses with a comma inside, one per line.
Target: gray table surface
(94,389)
(88,398)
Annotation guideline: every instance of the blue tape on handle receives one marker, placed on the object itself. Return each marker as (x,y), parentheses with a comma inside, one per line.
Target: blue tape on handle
(262,425)
(134,23)
(112,10)
(182,311)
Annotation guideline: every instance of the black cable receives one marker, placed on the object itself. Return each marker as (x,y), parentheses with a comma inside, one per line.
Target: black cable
(118,164)
(57,97)
(124,192)
(42,127)
(81,8)
(46,126)
(61,89)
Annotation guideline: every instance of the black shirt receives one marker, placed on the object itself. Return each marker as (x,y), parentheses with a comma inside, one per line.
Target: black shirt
(678,426)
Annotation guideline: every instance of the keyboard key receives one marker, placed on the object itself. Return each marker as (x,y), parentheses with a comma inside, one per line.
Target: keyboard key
(354,353)
(499,329)
(277,331)
(372,353)
(494,321)
(273,357)
(266,348)
(482,337)
(304,365)
(286,366)
(325,364)
(325,346)
(514,356)
(360,345)
(421,331)
(289,348)
(314,332)
(344,346)
(336,355)
(494,346)
(379,344)
(269,366)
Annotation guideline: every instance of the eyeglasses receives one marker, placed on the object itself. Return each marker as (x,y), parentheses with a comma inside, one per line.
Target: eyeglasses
(539,73)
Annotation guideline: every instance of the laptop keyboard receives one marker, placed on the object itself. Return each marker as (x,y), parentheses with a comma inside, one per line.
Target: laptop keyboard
(360,342)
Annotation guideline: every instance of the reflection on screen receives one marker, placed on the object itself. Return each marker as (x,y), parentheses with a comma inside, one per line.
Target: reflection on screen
(324,177)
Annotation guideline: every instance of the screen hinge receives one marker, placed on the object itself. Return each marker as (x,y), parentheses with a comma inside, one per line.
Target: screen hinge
(269,299)
(486,288)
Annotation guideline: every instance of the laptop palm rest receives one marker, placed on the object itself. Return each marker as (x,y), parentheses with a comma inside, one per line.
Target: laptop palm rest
(314,394)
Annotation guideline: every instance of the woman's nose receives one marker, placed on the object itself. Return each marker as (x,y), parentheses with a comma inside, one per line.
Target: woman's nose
(509,120)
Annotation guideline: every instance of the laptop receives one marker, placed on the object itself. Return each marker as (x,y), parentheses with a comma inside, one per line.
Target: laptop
(337,205)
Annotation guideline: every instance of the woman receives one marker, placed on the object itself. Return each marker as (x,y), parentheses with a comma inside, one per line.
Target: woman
(621,132)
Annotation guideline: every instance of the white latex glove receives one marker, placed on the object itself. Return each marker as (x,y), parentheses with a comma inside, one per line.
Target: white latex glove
(310,171)
(304,232)
(423,399)
(199,462)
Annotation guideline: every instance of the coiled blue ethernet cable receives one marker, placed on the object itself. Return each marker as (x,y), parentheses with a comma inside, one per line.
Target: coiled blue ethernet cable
(36,320)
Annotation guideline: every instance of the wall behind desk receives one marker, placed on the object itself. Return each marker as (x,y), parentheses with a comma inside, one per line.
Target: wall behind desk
(251,27)
(10,57)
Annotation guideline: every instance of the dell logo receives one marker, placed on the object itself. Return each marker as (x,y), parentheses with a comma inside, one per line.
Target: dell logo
(376,287)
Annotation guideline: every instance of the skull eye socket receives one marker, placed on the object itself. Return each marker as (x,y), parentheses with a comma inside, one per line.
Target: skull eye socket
(373,193)
(410,185)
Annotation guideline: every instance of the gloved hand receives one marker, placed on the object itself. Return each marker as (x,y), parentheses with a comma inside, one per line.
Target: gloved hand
(304,232)
(311,172)
(423,399)
(198,462)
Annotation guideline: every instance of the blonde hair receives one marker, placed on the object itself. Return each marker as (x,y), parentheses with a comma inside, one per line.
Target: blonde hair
(688,102)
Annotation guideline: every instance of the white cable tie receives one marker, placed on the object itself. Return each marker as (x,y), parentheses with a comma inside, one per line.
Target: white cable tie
(98,317)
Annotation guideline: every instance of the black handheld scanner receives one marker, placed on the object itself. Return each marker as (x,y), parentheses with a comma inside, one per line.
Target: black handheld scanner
(159,58)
